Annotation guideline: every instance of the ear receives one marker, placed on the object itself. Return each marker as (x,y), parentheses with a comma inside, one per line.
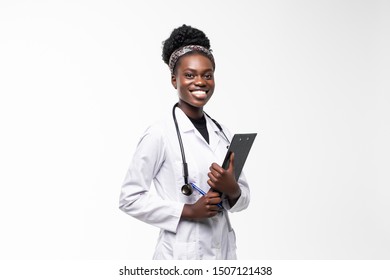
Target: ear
(173,81)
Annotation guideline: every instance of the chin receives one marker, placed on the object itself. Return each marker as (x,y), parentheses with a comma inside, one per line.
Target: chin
(199,104)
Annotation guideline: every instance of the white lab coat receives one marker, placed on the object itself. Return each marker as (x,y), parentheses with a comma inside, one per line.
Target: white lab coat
(158,158)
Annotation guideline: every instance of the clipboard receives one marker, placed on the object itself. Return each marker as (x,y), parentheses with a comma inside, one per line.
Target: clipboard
(240,145)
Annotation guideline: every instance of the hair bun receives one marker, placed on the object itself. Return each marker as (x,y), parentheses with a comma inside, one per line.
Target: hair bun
(183,36)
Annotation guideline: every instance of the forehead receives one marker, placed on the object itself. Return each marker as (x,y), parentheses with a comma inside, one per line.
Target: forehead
(194,61)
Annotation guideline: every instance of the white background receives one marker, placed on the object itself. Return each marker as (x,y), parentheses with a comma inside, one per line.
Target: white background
(81,80)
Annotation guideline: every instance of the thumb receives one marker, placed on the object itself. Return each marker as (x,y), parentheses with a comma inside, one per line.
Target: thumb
(231,162)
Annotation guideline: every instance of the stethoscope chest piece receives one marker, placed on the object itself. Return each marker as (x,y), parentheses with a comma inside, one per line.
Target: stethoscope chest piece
(186,189)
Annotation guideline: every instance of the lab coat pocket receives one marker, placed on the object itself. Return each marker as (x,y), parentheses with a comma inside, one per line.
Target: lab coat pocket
(231,254)
(184,251)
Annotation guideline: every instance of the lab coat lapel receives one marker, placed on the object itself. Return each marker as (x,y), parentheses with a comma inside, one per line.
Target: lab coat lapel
(214,138)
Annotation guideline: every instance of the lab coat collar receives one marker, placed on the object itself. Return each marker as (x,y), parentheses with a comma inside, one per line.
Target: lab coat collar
(186,125)
(184,122)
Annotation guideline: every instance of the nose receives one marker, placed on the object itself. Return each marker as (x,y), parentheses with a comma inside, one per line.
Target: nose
(199,81)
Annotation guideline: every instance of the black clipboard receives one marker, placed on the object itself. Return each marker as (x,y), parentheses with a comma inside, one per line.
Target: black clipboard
(240,145)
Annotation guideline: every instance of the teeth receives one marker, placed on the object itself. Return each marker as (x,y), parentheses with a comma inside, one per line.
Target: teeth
(199,92)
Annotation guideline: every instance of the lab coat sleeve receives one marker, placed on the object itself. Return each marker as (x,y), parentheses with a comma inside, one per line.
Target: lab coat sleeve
(243,201)
(135,198)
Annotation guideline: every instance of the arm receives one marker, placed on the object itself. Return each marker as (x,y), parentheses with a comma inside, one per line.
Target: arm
(135,198)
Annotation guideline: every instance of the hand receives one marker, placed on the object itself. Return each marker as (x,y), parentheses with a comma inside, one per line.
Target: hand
(205,207)
(224,181)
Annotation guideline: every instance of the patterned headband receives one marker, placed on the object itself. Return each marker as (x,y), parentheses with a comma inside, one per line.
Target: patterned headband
(186,49)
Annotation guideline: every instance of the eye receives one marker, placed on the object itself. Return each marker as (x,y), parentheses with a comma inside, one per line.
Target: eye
(208,76)
(188,75)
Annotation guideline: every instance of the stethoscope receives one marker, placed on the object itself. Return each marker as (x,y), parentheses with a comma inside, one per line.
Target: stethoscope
(188,188)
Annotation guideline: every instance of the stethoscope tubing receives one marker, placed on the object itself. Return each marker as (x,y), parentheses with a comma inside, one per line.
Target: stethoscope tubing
(187,187)
(183,156)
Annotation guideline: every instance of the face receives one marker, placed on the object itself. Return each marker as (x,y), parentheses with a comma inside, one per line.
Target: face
(194,80)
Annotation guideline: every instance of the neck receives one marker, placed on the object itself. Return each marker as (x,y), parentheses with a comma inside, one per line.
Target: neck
(191,111)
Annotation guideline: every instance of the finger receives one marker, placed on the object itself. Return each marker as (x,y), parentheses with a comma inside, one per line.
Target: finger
(216,167)
(215,200)
(211,193)
(213,178)
(212,208)
(211,184)
(216,174)
(231,162)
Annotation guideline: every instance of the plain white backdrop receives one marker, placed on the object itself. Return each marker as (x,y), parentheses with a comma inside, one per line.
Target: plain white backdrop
(81,80)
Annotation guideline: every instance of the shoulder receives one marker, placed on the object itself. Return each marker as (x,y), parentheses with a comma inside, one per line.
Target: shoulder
(154,131)
(157,130)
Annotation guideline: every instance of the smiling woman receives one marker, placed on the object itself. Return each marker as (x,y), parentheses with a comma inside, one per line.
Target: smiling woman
(193,224)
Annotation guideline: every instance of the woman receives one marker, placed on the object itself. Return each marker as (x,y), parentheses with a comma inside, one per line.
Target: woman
(194,226)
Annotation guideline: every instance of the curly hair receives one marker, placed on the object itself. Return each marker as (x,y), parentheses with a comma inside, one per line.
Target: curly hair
(183,36)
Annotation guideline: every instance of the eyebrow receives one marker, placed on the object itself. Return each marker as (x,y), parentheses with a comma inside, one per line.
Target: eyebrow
(195,70)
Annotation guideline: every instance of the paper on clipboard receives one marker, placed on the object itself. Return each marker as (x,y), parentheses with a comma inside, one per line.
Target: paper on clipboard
(240,146)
